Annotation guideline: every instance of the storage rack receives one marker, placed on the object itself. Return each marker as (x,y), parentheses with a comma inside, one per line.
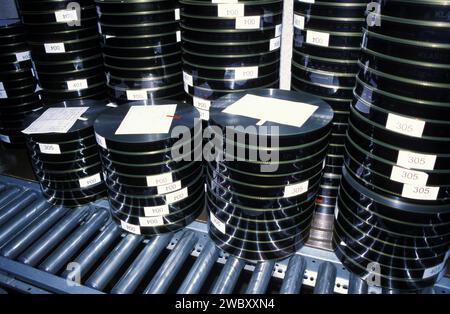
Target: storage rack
(183,262)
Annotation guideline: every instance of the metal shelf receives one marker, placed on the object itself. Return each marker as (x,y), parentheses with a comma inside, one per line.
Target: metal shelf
(43,245)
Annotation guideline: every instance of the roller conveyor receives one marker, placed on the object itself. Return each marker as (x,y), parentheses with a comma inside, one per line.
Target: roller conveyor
(49,249)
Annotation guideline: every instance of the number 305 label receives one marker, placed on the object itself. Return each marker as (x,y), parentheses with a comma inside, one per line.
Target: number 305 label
(406,126)
(427,193)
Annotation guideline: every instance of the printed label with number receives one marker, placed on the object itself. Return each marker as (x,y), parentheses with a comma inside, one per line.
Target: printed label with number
(408,176)
(415,160)
(245,73)
(275,43)
(296,189)
(248,22)
(177,14)
(66,15)
(156,210)
(278,29)
(204,114)
(217,223)
(178,34)
(54,48)
(101,141)
(177,196)
(23,56)
(168,188)
(85,182)
(159,179)
(427,193)
(200,103)
(151,221)
(188,79)
(136,94)
(53,149)
(186,87)
(77,84)
(299,21)
(406,126)
(317,38)
(230,10)
(130,228)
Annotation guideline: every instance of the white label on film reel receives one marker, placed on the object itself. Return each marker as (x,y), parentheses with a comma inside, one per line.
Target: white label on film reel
(406,176)
(77,84)
(23,56)
(151,211)
(136,94)
(278,29)
(204,114)
(159,179)
(168,188)
(415,160)
(200,103)
(317,38)
(230,9)
(101,141)
(151,221)
(275,43)
(217,223)
(177,196)
(248,22)
(3,94)
(5,138)
(404,125)
(178,34)
(299,21)
(89,181)
(130,227)
(426,193)
(177,14)
(52,149)
(188,79)
(245,73)
(66,16)
(56,120)
(296,189)
(54,48)
(186,87)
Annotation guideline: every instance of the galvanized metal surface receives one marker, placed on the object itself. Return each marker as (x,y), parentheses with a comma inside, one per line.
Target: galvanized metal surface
(47,249)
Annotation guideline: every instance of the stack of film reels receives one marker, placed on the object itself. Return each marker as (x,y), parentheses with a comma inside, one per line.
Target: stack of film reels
(393,216)
(229,47)
(154,184)
(65,45)
(19,91)
(142,49)
(261,192)
(64,153)
(327,39)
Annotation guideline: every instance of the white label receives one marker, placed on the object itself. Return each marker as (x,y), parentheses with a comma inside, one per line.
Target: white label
(430,272)
(151,221)
(168,188)
(177,14)
(3,94)
(224,1)
(178,34)
(299,21)
(245,73)
(23,56)
(130,228)
(317,38)
(159,179)
(248,22)
(296,189)
(92,180)
(177,196)
(416,161)
(147,120)
(204,114)
(275,43)
(54,48)
(66,15)
(52,149)
(217,223)
(407,176)
(406,126)
(426,193)
(137,94)
(101,141)
(278,29)
(230,10)
(186,87)
(272,109)
(188,79)
(56,120)
(5,139)
(201,103)
(156,211)
(77,84)
(306,1)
